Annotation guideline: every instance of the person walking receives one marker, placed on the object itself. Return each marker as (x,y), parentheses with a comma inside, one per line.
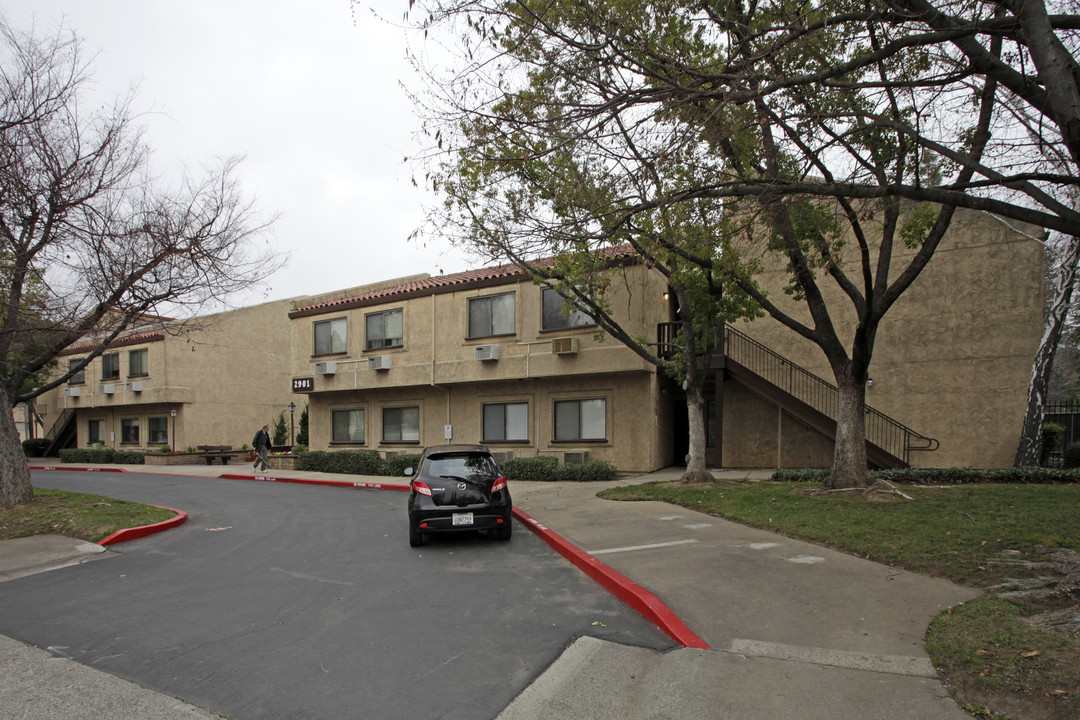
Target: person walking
(261,444)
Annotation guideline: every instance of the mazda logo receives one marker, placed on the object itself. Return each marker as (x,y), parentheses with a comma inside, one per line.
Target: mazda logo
(461,486)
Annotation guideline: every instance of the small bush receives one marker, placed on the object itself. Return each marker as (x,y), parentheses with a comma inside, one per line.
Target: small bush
(1072,457)
(35,447)
(592,471)
(104,456)
(532,468)
(348,462)
(395,464)
(1052,433)
(296,449)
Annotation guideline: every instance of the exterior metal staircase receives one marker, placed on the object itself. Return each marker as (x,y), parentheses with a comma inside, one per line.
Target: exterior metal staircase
(62,433)
(806,396)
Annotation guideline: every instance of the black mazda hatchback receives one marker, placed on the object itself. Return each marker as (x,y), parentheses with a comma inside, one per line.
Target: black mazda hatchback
(456,488)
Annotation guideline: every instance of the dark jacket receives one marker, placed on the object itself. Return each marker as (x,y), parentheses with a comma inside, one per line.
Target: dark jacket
(261,441)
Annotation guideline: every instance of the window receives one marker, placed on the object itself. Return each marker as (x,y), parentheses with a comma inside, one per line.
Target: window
(347,426)
(79,377)
(506,422)
(558,314)
(330,336)
(385,329)
(158,431)
(581,420)
(110,366)
(129,430)
(492,315)
(95,431)
(401,424)
(137,365)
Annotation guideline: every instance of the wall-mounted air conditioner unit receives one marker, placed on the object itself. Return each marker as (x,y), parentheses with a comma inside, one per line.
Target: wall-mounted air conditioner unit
(501,457)
(134,387)
(564,346)
(488,352)
(72,392)
(380,362)
(107,389)
(575,458)
(325,368)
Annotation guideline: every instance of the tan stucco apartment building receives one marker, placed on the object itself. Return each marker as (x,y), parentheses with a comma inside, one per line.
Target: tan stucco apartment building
(488,356)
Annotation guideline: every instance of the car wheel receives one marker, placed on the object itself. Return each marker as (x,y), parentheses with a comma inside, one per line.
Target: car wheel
(505,530)
(416,538)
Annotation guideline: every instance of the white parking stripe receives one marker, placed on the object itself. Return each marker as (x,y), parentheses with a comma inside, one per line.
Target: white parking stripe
(640,547)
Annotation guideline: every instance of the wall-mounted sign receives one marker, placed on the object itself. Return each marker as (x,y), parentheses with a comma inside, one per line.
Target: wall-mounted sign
(303,385)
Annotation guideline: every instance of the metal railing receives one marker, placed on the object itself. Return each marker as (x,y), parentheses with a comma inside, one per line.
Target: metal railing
(886,433)
(891,436)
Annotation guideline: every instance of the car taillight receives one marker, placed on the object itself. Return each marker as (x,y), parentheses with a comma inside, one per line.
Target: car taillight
(500,484)
(422,487)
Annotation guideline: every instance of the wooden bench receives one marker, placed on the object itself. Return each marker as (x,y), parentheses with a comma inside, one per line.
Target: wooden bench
(220,452)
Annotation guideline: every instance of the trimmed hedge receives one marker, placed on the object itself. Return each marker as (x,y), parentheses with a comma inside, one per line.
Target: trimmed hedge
(104,456)
(946,476)
(35,447)
(548,469)
(395,464)
(348,462)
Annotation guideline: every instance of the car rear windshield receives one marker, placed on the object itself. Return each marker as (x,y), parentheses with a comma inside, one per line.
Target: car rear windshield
(461,465)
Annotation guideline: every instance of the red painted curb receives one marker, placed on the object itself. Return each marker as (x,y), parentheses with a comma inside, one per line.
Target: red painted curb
(622,587)
(140,532)
(306,481)
(77,469)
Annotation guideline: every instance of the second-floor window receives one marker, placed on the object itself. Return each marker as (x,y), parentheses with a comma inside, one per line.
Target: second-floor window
(79,377)
(492,315)
(110,366)
(558,314)
(347,426)
(137,363)
(385,329)
(331,336)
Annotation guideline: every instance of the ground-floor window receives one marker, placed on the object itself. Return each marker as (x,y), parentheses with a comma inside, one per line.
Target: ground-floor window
(158,430)
(347,426)
(401,424)
(581,419)
(129,431)
(506,422)
(95,432)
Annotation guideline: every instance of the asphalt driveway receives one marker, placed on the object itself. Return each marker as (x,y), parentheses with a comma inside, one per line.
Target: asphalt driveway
(291,601)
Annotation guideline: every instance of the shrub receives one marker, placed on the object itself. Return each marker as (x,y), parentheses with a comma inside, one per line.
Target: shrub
(349,462)
(1071,457)
(296,449)
(103,456)
(592,471)
(395,464)
(946,476)
(532,468)
(35,447)
(1052,433)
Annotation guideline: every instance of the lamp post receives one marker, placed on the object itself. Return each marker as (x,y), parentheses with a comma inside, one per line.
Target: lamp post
(173,413)
(292,409)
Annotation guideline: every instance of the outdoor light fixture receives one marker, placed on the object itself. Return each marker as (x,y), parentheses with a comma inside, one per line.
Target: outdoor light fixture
(292,408)
(173,413)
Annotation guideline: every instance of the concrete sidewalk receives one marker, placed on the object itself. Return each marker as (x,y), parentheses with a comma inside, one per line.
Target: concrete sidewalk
(794,630)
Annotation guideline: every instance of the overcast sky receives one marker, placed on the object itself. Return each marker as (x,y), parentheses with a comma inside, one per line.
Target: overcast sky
(308,92)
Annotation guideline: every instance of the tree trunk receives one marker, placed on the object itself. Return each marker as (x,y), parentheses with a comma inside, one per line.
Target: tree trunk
(1029,449)
(849,458)
(695,407)
(15,486)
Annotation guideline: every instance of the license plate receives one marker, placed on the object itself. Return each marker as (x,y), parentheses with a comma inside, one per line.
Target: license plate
(463,519)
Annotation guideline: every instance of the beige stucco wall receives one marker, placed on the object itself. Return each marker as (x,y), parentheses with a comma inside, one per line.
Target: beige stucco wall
(953,356)
(225,374)
(436,370)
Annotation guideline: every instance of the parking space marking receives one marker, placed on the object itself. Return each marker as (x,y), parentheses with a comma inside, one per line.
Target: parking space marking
(632,548)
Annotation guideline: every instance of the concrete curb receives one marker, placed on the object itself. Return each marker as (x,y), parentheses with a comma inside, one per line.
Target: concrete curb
(644,602)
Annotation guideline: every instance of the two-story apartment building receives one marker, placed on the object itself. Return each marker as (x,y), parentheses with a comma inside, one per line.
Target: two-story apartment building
(213,381)
(488,356)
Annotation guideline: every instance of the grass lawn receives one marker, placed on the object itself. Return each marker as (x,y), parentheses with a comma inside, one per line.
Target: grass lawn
(85,517)
(996,663)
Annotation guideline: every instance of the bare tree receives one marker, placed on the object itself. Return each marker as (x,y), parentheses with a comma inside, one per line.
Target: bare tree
(834,137)
(91,242)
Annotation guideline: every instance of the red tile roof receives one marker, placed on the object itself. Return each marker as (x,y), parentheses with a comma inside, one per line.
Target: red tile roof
(123,341)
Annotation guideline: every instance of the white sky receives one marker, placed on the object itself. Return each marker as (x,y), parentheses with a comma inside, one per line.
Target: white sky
(308,92)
